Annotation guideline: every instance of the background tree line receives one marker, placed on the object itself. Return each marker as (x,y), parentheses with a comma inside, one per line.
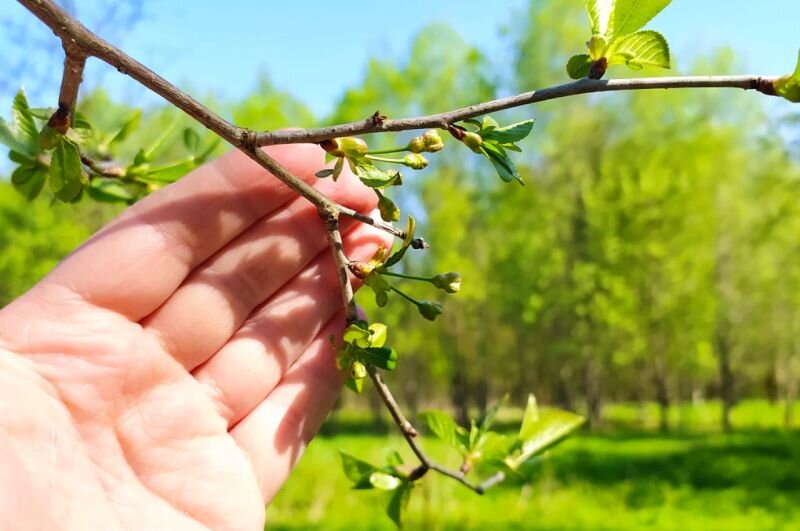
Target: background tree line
(651,257)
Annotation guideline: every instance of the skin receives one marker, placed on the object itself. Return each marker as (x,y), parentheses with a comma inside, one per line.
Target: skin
(170,372)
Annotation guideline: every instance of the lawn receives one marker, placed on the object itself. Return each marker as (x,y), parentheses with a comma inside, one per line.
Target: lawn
(622,478)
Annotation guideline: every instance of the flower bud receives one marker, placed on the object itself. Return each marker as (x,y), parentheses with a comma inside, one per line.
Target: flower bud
(416,145)
(358,371)
(472,141)
(415,161)
(433,142)
(449,282)
(349,146)
(430,310)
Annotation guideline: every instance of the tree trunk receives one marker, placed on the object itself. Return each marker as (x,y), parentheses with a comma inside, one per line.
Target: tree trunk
(662,390)
(594,396)
(726,380)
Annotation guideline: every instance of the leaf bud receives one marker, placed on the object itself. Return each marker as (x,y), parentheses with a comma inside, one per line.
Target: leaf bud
(449,282)
(415,161)
(430,310)
(433,142)
(472,141)
(389,211)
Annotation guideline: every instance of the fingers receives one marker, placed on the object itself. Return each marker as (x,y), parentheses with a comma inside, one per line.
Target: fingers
(216,298)
(248,367)
(135,263)
(275,434)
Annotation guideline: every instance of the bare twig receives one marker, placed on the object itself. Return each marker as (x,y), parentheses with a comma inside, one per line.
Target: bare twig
(583,86)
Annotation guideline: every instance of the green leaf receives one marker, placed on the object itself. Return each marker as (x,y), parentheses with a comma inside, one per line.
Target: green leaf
(491,414)
(632,15)
(191,140)
(378,332)
(21,158)
(510,133)
(381,298)
(411,226)
(502,163)
(24,122)
(358,471)
(384,481)
(645,48)
(30,183)
(11,139)
(110,191)
(373,176)
(66,171)
(578,66)
(355,384)
(357,335)
(167,174)
(529,419)
(394,459)
(381,357)
(22,174)
(127,127)
(600,15)
(398,503)
(444,427)
(327,172)
(550,428)
(788,87)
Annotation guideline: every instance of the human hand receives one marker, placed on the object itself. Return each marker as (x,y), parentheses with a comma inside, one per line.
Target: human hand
(169,373)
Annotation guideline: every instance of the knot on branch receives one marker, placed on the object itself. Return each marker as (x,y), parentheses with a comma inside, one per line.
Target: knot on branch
(248,139)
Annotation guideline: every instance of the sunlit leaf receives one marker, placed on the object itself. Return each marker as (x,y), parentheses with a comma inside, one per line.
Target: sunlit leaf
(384,481)
(645,48)
(788,87)
(358,471)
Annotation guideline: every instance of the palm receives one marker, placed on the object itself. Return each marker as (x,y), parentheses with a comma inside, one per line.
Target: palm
(162,376)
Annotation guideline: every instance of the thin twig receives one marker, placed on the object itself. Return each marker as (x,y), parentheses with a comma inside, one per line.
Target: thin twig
(583,86)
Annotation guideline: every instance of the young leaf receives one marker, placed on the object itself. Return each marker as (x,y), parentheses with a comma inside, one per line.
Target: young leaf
(600,16)
(444,427)
(167,174)
(10,138)
(509,134)
(632,15)
(788,87)
(110,191)
(387,208)
(398,503)
(529,419)
(378,333)
(578,66)
(29,183)
(645,48)
(327,172)
(373,176)
(66,171)
(191,140)
(358,471)
(502,163)
(127,127)
(490,415)
(550,428)
(381,357)
(411,225)
(24,122)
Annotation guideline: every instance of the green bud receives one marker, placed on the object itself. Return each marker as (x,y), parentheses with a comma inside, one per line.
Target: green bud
(49,137)
(449,282)
(416,145)
(433,142)
(358,371)
(389,211)
(429,310)
(415,161)
(472,141)
(349,146)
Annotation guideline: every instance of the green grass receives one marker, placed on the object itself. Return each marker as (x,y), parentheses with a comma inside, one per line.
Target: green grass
(625,478)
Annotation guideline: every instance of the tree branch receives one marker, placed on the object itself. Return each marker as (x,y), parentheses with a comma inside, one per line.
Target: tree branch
(79,41)
(582,86)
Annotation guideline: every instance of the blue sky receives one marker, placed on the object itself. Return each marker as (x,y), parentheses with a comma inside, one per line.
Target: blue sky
(315,49)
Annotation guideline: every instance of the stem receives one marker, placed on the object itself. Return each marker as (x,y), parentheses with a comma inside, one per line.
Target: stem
(387,151)
(408,298)
(401,275)
(384,159)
